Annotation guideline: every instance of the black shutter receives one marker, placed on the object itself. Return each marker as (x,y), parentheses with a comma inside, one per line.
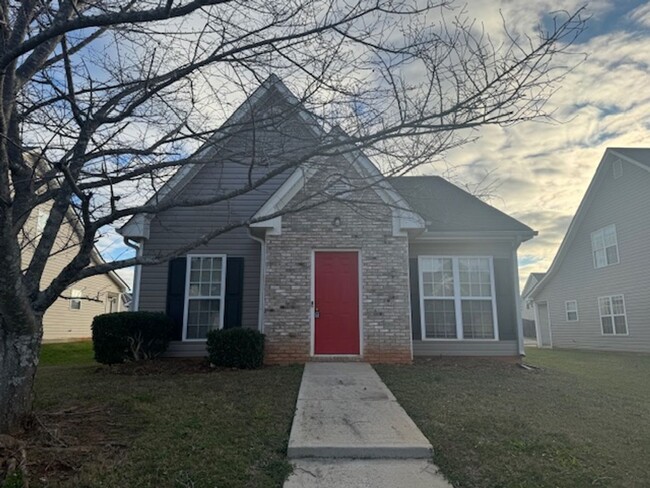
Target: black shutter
(415,298)
(234,292)
(176,295)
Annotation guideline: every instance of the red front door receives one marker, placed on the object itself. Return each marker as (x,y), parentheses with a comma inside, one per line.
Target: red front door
(336,305)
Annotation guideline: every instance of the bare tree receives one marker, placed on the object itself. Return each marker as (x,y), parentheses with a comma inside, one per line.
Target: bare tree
(103,100)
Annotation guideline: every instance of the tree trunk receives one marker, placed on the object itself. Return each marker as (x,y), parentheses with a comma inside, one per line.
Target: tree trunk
(18,362)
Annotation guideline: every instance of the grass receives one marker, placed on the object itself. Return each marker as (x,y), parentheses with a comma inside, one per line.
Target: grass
(67,353)
(581,420)
(170,426)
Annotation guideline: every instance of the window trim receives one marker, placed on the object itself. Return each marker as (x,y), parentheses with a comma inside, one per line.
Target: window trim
(76,298)
(593,251)
(457,298)
(566,311)
(612,315)
(222,296)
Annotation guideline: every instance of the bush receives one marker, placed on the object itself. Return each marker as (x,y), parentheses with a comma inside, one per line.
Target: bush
(236,348)
(130,336)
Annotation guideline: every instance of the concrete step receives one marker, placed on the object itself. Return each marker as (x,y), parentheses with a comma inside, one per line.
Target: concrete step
(373,473)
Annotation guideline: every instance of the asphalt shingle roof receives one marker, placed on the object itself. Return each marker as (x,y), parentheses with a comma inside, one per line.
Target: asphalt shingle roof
(448,208)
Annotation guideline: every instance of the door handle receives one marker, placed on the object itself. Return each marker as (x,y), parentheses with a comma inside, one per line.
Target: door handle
(316,313)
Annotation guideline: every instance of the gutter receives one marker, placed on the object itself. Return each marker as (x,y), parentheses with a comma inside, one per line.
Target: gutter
(260,312)
(135,297)
(520,323)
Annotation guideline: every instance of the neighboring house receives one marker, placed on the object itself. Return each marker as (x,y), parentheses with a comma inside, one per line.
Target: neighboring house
(423,269)
(70,317)
(527,305)
(596,294)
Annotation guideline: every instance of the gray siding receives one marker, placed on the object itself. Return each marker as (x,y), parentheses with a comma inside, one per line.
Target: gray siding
(505,297)
(225,170)
(626,203)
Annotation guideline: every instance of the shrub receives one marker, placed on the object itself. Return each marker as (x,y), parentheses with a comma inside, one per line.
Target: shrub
(130,336)
(236,348)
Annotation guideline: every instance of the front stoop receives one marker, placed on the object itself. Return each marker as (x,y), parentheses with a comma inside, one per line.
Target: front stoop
(348,426)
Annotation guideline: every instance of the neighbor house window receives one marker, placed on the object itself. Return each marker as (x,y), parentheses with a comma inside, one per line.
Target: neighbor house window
(604,246)
(613,320)
(41,220)
(204,295)
(75,299)
(457,298)
(571,310)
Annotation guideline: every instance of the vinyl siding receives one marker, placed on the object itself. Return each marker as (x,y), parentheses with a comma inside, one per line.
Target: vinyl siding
(60,323)
(505,300)
(624,202)
(225,170)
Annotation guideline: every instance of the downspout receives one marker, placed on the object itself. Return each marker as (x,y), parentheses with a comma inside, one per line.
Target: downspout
(260,312)
(135,298)
(520,323)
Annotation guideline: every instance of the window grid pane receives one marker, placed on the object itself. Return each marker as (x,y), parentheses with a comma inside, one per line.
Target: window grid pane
(475,278)
(604,246)
(437,277)
(205,277)
(204,296)
(612,315)
(478,322)
(440,319)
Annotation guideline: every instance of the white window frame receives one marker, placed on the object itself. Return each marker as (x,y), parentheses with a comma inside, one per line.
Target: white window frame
(612,315)
(457,298)
(41,220)
(567,311)
(222,297)
(75,296)
(593,249)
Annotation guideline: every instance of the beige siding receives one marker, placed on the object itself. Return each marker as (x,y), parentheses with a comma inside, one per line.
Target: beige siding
(624,202)
(61,323)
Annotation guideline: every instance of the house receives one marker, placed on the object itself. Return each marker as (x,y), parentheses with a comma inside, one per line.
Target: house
(416,267)
(596,294)
(527,305)
(70,317)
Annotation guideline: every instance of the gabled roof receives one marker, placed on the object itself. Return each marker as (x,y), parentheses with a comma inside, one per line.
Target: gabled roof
(404,217)
(448,208)
(138,225)
(533,279)
(637,156)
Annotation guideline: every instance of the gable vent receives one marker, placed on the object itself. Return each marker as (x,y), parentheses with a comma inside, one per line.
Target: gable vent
(617,169)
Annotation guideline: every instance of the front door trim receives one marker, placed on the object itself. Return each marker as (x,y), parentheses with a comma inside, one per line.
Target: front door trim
(312,323)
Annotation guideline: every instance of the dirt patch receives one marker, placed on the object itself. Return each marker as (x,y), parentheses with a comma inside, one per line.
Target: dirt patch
(160,366)
(58,443)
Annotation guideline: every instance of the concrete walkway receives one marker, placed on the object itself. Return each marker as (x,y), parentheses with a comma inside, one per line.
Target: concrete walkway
(349,430)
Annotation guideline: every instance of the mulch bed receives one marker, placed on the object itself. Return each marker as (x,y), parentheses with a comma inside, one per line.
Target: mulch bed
(160,366)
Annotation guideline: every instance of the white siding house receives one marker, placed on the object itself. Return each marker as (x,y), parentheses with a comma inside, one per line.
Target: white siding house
(596,294)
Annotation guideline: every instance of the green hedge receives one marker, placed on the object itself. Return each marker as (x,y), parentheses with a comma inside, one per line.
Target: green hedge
(236,348)
(130,336)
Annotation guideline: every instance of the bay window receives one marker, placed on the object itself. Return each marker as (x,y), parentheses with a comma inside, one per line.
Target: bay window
(457,299)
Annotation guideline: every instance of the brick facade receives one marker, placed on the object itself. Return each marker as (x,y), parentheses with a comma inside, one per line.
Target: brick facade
(367,227)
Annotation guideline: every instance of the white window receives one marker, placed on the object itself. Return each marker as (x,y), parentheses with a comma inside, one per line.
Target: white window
(75,299)
(617,169)
(613,320)
(41,220)
(204,295)
(571,307)
(604,246)
(457,298)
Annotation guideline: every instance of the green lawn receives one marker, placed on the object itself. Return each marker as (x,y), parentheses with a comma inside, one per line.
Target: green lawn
(581,420)
(67,353)
(177,424)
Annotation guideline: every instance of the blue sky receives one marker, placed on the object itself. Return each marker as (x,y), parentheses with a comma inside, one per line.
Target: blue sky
(542,170)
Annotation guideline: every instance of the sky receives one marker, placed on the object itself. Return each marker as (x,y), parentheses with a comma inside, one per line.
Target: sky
(541,169)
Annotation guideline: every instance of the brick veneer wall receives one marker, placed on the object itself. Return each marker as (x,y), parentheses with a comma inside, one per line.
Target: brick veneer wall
(384,270)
